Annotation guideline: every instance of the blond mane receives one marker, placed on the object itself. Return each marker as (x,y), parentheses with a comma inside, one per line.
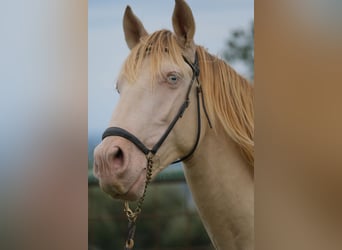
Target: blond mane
(229,99)
(228,96)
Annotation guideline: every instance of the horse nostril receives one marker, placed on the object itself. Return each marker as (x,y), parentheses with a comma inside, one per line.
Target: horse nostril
(109,162)
(118,157)
(119,154)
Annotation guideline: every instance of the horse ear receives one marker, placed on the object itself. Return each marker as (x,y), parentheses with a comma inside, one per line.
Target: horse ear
(183,23)
(133,28)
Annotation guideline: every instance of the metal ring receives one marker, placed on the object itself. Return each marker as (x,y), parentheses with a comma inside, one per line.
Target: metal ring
(129,243)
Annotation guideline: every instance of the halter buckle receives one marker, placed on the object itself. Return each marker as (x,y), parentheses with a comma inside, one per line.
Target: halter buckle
(196,69)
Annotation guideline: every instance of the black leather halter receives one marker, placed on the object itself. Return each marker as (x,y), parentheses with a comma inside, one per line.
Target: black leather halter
(117,131)
(150,153)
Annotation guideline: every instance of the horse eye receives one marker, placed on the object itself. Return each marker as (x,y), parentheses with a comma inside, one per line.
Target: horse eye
(172,79)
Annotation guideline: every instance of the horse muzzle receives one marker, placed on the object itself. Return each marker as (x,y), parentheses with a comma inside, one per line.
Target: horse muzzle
(120,170)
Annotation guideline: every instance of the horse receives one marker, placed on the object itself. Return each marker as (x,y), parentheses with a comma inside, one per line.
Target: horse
(179,102)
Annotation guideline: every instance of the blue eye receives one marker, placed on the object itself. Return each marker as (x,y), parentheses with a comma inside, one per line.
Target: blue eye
(172,79)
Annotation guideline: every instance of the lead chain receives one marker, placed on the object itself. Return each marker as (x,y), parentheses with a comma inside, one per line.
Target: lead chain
(132,216)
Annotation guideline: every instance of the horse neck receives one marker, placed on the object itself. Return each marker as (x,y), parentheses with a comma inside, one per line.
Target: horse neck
(221,183)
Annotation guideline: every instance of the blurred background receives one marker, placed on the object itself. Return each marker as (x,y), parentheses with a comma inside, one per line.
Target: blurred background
(43,124)
(44,121)
(169,219)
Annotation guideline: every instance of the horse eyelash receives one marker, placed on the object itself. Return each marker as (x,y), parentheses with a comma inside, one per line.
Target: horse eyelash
(176,73)
(117,88)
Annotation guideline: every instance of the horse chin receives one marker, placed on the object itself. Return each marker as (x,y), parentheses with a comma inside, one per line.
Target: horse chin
(134,192)
(129,197)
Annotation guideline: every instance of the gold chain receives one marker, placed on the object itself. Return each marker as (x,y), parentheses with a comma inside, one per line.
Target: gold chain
(133,215)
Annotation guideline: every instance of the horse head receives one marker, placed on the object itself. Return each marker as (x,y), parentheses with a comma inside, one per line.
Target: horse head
(156,85)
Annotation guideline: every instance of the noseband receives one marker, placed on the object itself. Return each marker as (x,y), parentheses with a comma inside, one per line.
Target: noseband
(150,153)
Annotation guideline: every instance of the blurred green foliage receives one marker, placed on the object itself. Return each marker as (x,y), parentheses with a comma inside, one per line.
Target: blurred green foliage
(168,221)
(240,48)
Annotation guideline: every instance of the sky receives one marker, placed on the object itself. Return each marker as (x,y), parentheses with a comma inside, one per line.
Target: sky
(107,48)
